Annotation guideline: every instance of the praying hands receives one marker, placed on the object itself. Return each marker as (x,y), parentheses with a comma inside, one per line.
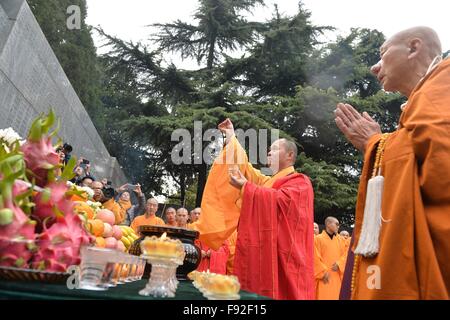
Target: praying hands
(356,127)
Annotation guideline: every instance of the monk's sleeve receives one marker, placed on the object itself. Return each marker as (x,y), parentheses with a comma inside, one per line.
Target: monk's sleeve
(319,266)
(221,201)
(429,130)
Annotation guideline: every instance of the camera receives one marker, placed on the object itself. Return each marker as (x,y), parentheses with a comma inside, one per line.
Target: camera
(131,187)
(108,192)
(85,161)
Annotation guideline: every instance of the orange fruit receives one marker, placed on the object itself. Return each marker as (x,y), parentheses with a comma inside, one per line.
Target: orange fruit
(83,208)
(100,242)
(96,227)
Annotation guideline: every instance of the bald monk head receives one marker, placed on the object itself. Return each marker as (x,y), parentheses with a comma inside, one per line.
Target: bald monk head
(282,155)
(170,216)
(344,234)
(316,229)
(151,207)
(332,225)
(405,59)
(195,214)
(182,217)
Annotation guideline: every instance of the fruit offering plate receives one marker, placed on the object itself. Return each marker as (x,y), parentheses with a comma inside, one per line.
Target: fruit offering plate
(19,274)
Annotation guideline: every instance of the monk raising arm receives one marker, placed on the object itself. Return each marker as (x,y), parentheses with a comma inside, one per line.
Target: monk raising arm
(238,156)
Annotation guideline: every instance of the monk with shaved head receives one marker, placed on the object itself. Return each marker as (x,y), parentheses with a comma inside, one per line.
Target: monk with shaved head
(149,218)
(316,229)
(329,261)
(405,181)
(273,217)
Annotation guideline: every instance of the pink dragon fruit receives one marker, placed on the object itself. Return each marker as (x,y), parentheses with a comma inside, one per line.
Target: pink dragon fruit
(52,200)
(39,155)
(17,231)
(59,246)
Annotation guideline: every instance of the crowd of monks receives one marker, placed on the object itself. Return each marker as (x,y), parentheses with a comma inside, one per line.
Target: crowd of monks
(261,228)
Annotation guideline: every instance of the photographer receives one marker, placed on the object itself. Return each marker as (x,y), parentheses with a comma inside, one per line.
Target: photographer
(86,165)
(106,197)
(67,150)
(79,174)
(62,161)
(131,211)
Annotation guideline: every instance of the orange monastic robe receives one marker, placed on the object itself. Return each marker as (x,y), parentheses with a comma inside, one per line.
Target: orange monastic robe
(328,251)
(144,221)
(232,244)
(414,257)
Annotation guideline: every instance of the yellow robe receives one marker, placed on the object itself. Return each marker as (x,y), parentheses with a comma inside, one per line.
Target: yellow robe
(232,245)
(221,201)
(328,251)
(414,257)
(146,221)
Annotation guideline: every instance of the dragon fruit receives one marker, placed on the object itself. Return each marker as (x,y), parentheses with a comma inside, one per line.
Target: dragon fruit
(59,246)
(17,231)
(39,155)
(51,201)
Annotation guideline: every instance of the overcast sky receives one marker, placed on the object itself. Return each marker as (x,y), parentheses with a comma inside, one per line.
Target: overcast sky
(128,19)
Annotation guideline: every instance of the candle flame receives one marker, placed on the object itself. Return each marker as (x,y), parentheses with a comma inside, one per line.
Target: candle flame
(164,235)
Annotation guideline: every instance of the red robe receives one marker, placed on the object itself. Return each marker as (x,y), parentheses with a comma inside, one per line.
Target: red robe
(217,262)
(275,245)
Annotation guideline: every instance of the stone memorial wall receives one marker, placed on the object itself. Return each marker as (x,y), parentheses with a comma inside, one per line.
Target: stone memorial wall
(32,81)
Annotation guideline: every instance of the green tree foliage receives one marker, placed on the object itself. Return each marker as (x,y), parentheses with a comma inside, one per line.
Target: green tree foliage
(277,64)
